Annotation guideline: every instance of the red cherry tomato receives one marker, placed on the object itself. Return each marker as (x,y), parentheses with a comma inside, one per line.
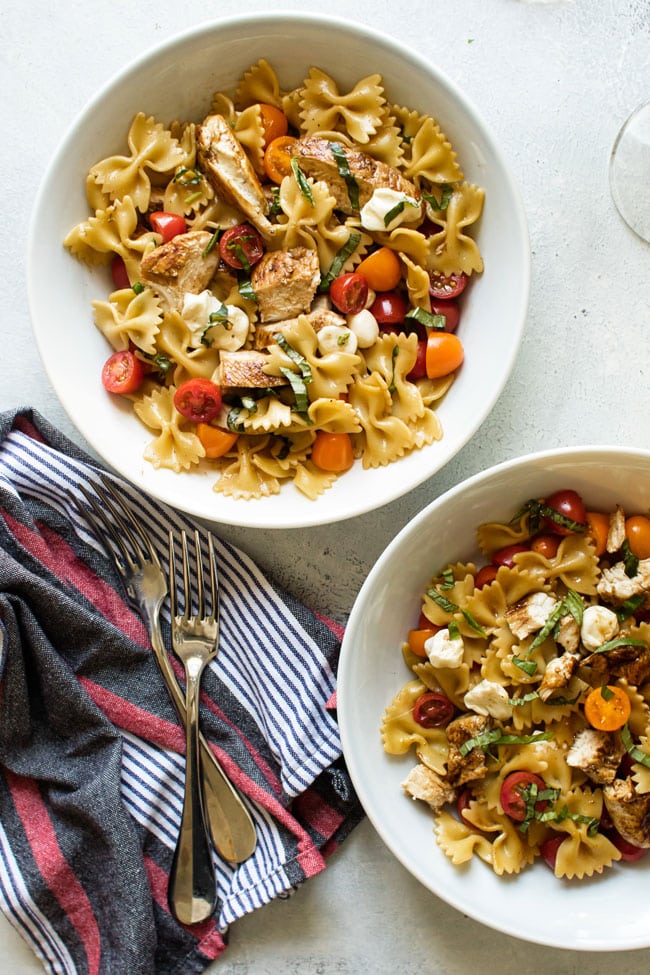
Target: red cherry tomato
(512,799)
(433,709)
(451,312)
(546,545)
(389,308)
(549,848)
(119,273)
(198,400)
(122,372)
(349,293)
(486,575)
(241,246)
(462,803)
(168,225)
(419,370)
(570,505)
(505,556)
(446,286)
(629,852)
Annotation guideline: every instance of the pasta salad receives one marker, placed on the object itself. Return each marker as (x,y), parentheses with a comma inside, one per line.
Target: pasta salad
(286,280)
(527,706)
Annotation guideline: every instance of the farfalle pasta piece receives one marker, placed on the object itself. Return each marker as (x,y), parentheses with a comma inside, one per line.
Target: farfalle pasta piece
(175,340)
(385,437)
(128,318)
(242,478)
(333,415)
(301,219)
(249,130)
(575,564)
(452,249)
(393,357)
(399,729)
(417,283)
(173,448)
(112,231)
(330,374)
(431,155)
(152,147)
(433,390)
(459,842)
(187,192)
(312,481)
(259,84)
(358,112)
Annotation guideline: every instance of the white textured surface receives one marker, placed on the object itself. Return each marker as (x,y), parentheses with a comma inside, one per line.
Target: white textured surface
(554,81)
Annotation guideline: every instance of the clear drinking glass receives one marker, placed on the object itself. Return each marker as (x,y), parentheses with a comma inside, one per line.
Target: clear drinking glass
(629,171)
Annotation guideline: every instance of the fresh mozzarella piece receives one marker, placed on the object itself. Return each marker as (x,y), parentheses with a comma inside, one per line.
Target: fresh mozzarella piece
(365,327)
(599,625)
(444,650)
(380,204)
(229,334)
(489,699)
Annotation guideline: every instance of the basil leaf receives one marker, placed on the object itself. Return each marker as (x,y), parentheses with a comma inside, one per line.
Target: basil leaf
(344,172)
(295,356)
(629,607)
(525,699)
(635,753)
(621,641)
(497,737)
(528,666)
(446,192)
(301,179)
(426,318)
(397,209)
(454,632)
(341,257)
(233,422)
(246,289)
(472,622)
(630,561)
(448,580)
(299,389)
(211,243)
(571,604)
(444,603)
(188,177)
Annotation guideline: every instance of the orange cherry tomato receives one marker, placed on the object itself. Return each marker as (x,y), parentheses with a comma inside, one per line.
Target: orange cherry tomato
(381,269)
(274,122)
(546,545)
(444,354)
(417,639)
(637,532)
(607,708)
(332,452)
(215,440)
(598,530)
(277,158)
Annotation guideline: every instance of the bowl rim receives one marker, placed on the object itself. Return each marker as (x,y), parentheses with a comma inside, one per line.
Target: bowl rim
(256,514)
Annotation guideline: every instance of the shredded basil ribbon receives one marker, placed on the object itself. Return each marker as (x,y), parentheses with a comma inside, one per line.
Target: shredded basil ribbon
(449,607)
(528,666)
(340,258)
(446,192)
(397,209)
(537,511)
(496,737)
(630,560)
(640,757)
(621,641)
(211,243)
(246,289)
(571,605)
(301,179)
(629,607)
(344,172)
(425,318)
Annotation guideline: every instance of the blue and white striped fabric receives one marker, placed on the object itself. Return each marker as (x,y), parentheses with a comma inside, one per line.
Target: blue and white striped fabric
(265,713)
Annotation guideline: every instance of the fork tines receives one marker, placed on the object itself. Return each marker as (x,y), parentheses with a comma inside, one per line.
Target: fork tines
(200,577)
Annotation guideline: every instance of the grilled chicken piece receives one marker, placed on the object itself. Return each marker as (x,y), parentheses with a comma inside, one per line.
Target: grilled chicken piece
(558,673)
(223,160)
(317,319)
(629,663)
(180,266)
(616,586)
(466,768)
(425,784)
(530,614)
(317,160)
(616,533)
(630,811)
(597,753)
(285,283)
(245,370)
(569,634)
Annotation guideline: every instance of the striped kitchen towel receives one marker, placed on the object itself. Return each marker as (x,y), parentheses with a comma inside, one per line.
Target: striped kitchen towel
(91,751)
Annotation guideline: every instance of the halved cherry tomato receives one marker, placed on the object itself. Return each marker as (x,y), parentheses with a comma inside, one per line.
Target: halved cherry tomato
(485,575)
(168,225)
(216,441)
(424,623)
(417,639)
(512,799)
(349,292)
(389,308)
(607,708)
(122,372)
(433,709)
(549,849)
(198,400)
(274,122)
(119,273)
(462,803)
(451,312)
(241,246)
(381,269)
(277,158)
(570,505)
(506,555)
(598,530)
(445,354)
(446,286)
(545,544)
(629,852)
(419,369)
(332,452)
(637,532)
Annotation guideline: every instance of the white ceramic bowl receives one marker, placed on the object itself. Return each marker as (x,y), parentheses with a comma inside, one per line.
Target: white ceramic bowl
(609,912)
(176,80)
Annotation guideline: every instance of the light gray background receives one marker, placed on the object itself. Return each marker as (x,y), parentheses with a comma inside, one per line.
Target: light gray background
(554,80)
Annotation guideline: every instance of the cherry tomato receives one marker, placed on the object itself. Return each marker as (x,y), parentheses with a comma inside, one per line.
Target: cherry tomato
(451,312)
(506,555)
(417,638)
(168,225)
(277,158)
(419,370)
(444,354)
(275,123)
(512,789)
(462,803)
(198,400)
(546,545)
(119,273)
(122,372)
(433,709)
(486,575)
(598,530)
(332,452)
(637,532)
(349,293)
(629,852)
(549,848)
(241,246)
(607,708)
(381,269)
(216,441)
(389,308)
(446,286)
(570,505)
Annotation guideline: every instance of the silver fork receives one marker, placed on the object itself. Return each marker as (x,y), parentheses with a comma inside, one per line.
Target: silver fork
(231,826)
(195,639)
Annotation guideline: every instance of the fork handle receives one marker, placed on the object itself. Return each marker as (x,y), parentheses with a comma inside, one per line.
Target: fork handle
(192,883)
